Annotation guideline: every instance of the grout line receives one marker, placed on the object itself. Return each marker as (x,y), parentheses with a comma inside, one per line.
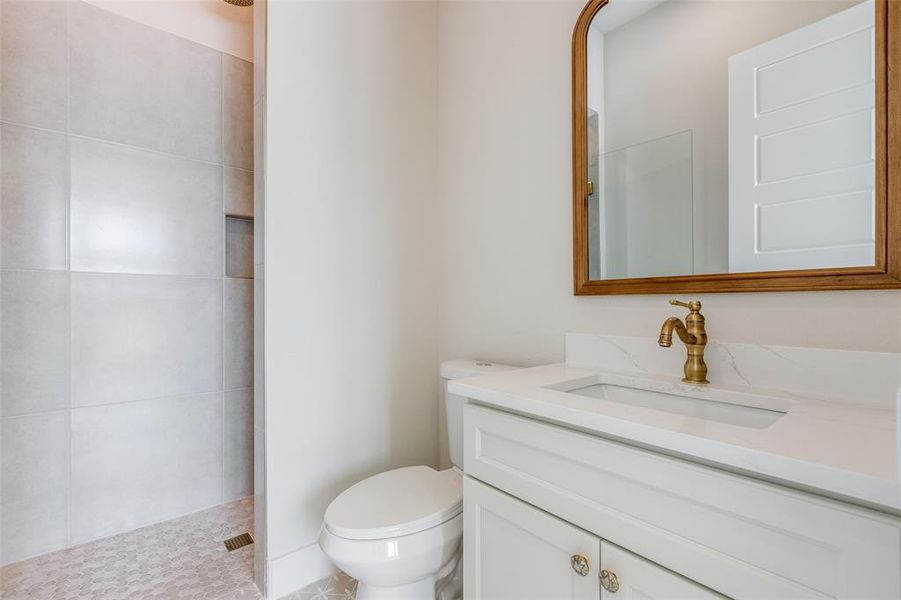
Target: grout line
(39,413)
(69,275)
(151,399)
(222,469)
(290,552)
(25,270)
(242,388)
(63,131)
(224,272)
(124,145)
(112,274)
(119,403)
(221,108)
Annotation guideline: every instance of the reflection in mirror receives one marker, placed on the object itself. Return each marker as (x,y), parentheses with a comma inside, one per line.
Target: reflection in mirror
(729,136)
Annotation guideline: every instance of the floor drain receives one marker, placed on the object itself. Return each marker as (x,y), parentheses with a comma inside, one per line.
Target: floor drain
(239,541)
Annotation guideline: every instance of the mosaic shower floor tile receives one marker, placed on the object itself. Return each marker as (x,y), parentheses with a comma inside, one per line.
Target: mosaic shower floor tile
(179,559)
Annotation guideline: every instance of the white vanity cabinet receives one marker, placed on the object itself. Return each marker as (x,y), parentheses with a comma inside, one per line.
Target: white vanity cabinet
(516,551)
(536,493)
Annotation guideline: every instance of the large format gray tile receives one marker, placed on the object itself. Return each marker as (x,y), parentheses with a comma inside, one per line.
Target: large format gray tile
(238,332)
(33,54)
(33,194)
(138,337)
(138,85)
(33,341)
(142,462)
(259,181)
(259,51)
(34,464)
(238,446)
(135,211)
(259,358)
(237,103)
(259,468)
(238,192)
(238,247)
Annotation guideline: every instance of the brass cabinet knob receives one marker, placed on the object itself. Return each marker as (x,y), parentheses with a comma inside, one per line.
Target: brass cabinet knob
(579,564)
(609,581)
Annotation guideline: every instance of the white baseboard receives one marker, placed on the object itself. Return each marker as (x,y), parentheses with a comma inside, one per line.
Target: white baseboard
(296,570)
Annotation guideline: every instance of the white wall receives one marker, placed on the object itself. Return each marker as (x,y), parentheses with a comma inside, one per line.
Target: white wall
(376,243)
(213,23)
(506,217)
(351,258)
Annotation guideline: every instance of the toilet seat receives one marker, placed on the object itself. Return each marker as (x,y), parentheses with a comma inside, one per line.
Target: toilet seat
(396,503)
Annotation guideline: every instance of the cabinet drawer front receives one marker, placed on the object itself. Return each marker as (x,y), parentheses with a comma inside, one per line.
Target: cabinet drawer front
(739,536)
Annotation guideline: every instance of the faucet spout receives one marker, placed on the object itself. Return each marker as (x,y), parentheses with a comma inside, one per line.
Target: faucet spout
(666,333)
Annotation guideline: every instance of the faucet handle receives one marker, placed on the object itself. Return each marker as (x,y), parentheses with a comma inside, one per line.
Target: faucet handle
(693,306)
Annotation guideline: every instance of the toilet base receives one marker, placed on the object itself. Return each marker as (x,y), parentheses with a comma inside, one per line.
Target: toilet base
(423,589)
(401,568)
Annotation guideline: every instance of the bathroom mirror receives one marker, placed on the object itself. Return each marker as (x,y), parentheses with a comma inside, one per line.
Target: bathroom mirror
(736,145)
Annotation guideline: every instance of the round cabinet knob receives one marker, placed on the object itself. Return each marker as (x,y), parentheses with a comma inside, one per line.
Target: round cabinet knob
(609,581)
(579,564)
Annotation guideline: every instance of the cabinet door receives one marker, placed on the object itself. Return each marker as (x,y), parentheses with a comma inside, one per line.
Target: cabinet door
(514,550)
(627,576)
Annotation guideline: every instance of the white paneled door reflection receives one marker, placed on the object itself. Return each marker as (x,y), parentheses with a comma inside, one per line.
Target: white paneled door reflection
(801,148)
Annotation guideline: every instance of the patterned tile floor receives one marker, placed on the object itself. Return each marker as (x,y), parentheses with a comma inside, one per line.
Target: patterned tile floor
(336,587)
(179,559)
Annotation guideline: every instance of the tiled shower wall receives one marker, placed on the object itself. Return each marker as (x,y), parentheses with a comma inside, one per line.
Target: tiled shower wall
(126,366)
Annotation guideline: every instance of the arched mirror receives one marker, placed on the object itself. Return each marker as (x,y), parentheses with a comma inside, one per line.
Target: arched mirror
(736,145)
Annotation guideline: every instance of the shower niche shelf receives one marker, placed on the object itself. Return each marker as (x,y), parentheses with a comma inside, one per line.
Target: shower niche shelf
(238,246)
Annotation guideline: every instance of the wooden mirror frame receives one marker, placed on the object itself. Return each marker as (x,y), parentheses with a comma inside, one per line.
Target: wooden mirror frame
(885,274)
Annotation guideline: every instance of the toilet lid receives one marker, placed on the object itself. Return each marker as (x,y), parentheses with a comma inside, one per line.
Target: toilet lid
(396,503)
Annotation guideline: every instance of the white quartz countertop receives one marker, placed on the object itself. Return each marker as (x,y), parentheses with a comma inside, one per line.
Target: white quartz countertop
(837,449)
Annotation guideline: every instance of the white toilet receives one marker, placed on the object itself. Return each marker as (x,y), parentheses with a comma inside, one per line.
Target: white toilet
(401,531)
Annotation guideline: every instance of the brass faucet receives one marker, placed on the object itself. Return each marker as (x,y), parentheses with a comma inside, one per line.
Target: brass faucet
(693,335)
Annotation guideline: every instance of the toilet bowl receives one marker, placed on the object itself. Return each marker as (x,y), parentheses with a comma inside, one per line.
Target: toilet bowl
(396,531)
(399,533)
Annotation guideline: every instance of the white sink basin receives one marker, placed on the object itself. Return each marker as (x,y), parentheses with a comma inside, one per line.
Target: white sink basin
(744,409)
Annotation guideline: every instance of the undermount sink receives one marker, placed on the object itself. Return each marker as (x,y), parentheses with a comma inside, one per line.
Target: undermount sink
(744,409)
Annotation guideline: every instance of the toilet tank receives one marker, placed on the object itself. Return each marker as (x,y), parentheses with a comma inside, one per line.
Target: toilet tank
(451,429)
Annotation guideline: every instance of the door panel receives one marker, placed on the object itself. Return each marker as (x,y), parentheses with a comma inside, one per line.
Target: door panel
(640,579)
(802,148)
(514,550)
